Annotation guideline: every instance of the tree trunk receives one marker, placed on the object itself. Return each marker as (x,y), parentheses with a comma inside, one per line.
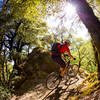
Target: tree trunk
(92,24)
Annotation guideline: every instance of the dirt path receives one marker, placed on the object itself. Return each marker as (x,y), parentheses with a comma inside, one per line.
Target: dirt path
(40,92)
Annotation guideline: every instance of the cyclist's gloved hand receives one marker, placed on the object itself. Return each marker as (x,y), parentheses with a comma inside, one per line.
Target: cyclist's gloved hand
(65,55)
(74,58)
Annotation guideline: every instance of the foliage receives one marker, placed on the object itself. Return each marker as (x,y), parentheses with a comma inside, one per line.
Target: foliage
(5,93)
(88,86)
(8,77)
(22,26)
(84,53)
(95,4)
(21,29)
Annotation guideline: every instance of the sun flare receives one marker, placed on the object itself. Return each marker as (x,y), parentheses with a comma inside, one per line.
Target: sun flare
(69,9)
(68,18)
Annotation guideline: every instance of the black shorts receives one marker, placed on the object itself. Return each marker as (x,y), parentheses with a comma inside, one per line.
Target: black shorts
(59,60)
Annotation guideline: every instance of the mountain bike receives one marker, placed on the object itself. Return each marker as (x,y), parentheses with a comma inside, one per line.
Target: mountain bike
(70,76)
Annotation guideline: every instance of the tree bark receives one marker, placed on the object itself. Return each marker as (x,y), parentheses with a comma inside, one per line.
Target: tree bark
(92,23)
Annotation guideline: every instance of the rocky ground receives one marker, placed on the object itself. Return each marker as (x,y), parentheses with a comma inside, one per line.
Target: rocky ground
(86,88)
(40,92)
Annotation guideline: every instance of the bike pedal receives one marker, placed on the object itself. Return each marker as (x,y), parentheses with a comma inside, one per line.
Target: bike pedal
(60,77)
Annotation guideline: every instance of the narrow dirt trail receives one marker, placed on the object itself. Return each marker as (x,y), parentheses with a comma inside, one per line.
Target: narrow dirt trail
(40,92)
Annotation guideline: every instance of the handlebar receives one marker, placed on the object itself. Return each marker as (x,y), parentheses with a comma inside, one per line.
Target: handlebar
(66,55)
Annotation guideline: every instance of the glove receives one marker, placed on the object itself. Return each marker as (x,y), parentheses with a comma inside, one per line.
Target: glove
(65,55)
(74,58)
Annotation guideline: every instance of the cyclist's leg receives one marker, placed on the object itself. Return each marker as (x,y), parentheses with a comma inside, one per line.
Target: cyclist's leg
(62,71)
(62,64)
(63,67)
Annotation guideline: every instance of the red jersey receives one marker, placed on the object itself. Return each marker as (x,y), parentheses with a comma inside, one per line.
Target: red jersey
(62,49)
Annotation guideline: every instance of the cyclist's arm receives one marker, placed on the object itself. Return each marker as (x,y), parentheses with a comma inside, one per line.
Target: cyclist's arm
(69,54)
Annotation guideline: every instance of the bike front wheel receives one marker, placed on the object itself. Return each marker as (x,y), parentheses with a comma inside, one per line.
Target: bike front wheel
(53,80)
(73,70)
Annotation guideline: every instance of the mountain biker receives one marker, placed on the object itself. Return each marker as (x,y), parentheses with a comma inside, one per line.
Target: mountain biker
(56,55)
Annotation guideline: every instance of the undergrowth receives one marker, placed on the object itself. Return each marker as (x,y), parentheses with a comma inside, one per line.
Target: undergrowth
(87,87)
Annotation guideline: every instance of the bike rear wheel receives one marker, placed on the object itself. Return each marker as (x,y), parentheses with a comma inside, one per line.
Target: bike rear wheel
(53,80)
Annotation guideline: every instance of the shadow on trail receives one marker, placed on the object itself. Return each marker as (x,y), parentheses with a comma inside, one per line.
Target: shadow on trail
(56,95)
(59,92)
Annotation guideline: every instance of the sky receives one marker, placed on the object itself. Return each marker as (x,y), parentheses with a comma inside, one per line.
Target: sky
(1,1)
(70,16)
